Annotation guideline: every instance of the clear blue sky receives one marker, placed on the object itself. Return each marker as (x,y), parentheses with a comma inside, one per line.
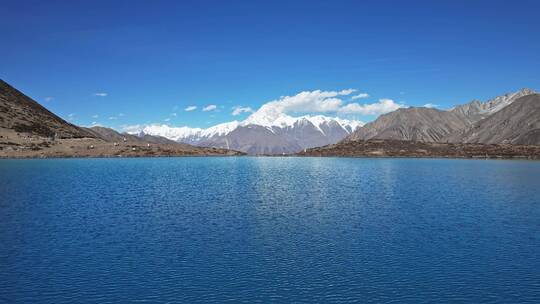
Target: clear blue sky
(154,58)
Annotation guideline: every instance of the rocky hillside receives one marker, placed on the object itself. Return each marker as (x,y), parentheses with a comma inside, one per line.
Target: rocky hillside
(27,129)
(417,124)
(497,120)
(516,123)
(21,114)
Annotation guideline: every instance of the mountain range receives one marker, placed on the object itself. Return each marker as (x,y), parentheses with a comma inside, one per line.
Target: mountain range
(258,135)
(511,118)
(284,134)
(27,129)
(508,119)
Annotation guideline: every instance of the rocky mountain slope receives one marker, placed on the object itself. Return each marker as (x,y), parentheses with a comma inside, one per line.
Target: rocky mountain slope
(20,113)
(476,110)
(432,125)
(516,123)
(27,129)
(284,134)
(417,124)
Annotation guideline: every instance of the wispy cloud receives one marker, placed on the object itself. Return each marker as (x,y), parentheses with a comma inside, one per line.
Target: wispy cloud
(167,119)
(360,96)
(95,116)
(239,110)
(47,99)
(71,116)
(113,118)
(430,105)
(209,108)
(190,108)
(101,94)
(173,114)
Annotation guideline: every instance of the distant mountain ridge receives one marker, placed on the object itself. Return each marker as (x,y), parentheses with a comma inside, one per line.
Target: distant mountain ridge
(459,124)
(516,123)
(417,124)
(284,134)
(476,110)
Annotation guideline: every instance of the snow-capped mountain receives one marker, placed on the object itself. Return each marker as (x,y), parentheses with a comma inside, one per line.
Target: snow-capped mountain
(260,134)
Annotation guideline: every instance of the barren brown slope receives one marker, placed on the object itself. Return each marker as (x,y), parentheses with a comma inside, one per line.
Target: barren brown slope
(517,123)
(27,129)
(21,114)
(417,124)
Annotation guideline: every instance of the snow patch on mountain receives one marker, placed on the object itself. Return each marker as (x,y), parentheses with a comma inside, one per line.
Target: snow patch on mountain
(283,121)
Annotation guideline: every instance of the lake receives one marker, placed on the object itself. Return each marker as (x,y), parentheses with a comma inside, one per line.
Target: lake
(248,229)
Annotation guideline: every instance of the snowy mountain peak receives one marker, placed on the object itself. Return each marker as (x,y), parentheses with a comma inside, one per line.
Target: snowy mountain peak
(298,132)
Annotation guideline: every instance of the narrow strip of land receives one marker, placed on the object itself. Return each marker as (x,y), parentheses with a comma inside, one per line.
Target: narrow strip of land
(401,148)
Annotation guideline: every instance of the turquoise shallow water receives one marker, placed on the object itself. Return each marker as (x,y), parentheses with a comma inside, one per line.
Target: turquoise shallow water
(187,230)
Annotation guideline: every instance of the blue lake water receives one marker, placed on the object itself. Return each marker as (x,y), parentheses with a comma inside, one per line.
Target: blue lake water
(188,230)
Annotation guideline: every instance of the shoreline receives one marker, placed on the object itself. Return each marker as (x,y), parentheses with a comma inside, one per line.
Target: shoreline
(527,158)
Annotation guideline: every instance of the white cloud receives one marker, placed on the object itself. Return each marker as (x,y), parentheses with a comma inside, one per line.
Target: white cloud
(430,105)
(95,116)
(239,110)
(100,94)
(167,119)
(209,108)
(113,118)
(381,107)
(47,99)
(190,108)
(173,114)
(360,96)
(132,129)
(307,101)
(320,102)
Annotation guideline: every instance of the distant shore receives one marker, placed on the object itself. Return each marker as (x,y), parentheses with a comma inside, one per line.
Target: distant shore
(97,148)
(412,149)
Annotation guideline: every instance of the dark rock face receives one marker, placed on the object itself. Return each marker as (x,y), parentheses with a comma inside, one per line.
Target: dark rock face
(20,113)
